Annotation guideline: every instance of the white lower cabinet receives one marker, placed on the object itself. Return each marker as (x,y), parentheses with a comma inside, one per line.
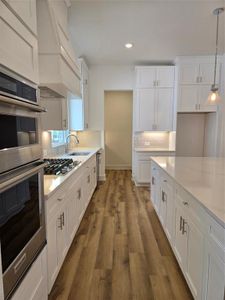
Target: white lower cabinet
(197,240)
(64,211)
(34,285)
(214,275)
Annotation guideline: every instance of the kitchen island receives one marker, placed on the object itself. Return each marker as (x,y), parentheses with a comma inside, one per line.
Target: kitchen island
(188,194)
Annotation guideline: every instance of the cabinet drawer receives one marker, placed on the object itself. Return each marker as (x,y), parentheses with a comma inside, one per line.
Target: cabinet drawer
(54,203)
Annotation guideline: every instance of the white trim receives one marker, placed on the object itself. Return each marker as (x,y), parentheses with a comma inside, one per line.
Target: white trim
(118,167)
(102,177)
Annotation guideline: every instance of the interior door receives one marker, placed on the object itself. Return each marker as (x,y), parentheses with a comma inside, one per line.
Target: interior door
(146,104)
(164,110)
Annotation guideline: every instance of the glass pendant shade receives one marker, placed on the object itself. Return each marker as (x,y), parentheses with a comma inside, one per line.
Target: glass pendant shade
(213,98)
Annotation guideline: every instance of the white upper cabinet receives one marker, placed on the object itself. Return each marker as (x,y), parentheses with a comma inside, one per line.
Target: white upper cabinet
(154,98)
(18,47)
(154,109)
(56,115)
(159,76)
(195,77)
(164,109)
(26,12)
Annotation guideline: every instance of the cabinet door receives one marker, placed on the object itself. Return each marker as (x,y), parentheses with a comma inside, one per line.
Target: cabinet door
(169,219)
(164,109)
(206,73)
(85,95)
(188,98)
(203,94)
(62,235)
(146,77)
(162,206)
(189,73)
(165,76)
(195,250)
(146,109)
(215,279)
(52,253)
(26,11)
(56,116)
(18,47)
(180,239)
(143,171)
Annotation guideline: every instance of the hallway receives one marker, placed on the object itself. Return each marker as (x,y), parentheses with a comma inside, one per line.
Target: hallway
(120,251)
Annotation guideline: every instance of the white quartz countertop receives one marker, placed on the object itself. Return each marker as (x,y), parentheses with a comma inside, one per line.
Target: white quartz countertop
(53,182)
(202,177)
(151,149)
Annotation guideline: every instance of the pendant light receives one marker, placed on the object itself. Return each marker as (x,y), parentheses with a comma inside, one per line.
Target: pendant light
(214,96)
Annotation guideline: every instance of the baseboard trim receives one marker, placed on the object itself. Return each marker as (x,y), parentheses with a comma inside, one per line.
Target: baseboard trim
(118,167)
(102,178)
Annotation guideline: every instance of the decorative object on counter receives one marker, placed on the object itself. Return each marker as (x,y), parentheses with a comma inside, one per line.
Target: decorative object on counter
(59,166)
(214,96)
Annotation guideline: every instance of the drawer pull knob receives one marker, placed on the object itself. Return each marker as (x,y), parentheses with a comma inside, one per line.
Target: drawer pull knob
(60,199)
(185,202)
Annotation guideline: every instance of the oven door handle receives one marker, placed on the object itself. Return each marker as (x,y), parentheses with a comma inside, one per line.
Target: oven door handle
(8,183)
(23,104)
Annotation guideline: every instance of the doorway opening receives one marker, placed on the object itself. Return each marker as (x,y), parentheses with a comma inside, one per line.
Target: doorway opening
(118,130)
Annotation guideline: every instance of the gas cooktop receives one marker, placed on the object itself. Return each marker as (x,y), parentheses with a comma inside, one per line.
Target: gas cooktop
(59,166)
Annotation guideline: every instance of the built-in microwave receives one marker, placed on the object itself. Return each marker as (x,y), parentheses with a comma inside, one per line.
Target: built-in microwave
(18,88)
(20,141)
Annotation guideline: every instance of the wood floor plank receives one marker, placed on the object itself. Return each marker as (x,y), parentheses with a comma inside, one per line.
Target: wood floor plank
(120,251)
(121,284)
(141,286)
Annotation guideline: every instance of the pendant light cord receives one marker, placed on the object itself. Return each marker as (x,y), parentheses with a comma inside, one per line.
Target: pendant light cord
(216,54)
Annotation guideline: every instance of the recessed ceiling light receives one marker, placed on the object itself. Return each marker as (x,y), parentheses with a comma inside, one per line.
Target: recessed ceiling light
(128,45)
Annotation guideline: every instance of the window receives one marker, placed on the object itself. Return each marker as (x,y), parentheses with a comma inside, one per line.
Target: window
(58,137)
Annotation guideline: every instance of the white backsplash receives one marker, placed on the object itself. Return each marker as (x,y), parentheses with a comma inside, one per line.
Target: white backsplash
(86,138)
(155,140)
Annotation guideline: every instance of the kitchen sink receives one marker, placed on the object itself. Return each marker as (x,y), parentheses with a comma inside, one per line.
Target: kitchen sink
(79,153)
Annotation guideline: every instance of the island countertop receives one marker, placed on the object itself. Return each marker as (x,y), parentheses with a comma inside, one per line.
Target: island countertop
(202,177)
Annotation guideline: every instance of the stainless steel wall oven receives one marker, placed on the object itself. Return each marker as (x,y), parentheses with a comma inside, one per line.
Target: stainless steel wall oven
(22,221)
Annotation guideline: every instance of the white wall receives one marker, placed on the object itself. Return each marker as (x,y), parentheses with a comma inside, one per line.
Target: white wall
(106,78)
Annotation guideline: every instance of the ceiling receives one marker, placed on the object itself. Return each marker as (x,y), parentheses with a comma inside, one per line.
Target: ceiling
(159,30)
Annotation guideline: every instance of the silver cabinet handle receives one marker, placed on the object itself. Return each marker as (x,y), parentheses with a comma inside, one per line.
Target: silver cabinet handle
(164,180)
(60,199)
(60,222)
(181,223)
(94,169)
(88,179)
(63,219)
(164,196)
(79,194)
(153,180)
(64,123)
(196,106)
(183,227)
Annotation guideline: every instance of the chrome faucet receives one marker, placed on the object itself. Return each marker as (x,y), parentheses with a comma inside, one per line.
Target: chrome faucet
(67,140)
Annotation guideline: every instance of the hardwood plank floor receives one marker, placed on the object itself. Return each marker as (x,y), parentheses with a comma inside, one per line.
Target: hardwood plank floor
(120,251)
